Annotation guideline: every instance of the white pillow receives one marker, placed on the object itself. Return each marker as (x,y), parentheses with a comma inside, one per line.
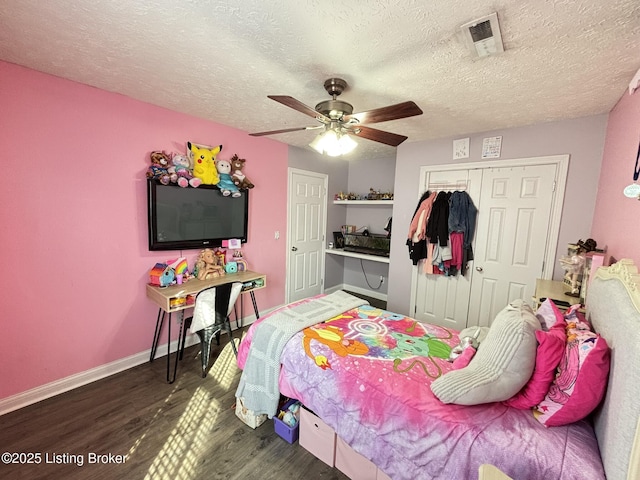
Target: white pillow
(502,365)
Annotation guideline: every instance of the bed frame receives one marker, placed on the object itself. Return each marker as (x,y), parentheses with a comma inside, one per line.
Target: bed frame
(613,307)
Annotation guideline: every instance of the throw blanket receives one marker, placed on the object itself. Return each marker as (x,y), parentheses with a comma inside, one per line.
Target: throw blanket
(259,381)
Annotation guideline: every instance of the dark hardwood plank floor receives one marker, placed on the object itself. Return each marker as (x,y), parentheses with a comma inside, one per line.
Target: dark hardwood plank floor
(187,430)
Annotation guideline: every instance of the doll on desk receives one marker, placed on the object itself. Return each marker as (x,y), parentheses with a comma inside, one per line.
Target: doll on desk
(208,265)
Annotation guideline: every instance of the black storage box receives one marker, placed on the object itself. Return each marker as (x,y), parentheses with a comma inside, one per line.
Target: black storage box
(372,244)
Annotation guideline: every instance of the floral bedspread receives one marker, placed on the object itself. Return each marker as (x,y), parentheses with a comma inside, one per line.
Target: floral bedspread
(367,374)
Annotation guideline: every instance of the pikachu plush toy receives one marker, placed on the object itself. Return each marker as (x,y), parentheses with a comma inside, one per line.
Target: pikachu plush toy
(204,166)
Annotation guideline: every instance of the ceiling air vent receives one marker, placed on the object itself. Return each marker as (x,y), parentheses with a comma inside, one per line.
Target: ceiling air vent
(483,36)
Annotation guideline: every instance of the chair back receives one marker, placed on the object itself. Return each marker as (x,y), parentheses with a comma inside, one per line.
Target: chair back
(236,288)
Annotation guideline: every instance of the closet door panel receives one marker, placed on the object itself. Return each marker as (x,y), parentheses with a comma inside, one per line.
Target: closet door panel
(438,299)
(513,227)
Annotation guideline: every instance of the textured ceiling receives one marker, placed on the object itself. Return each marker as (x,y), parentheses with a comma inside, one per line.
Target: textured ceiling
(220,59)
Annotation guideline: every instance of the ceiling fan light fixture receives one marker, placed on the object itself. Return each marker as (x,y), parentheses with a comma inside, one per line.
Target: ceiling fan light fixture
(316,143)
(333,143)
(347,144)
(340,123)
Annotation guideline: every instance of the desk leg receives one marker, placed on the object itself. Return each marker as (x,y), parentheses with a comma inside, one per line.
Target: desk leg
(156,335)
(181,332)
(255,305)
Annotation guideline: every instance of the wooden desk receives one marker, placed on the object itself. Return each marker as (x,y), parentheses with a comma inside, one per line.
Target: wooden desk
(178,298)
(554,290)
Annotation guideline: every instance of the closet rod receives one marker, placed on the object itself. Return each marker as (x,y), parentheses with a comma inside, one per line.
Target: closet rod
(448,186)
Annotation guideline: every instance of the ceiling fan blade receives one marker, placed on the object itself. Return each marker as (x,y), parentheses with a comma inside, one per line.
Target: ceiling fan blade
(299,106)
(369,133)
(384,114)
(284,130)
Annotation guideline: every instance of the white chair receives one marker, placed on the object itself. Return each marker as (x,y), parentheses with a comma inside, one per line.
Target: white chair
(225,299)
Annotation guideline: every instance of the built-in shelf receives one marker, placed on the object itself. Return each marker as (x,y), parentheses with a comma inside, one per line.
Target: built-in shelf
(363,202)
(363,256)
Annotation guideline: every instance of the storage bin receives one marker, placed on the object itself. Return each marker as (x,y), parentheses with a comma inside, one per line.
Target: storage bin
(290,434)
(352,464)
(248,416)
(317,437)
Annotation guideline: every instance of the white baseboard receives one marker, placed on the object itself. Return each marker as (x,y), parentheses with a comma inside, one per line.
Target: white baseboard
(360,290)
(57,387)
(48,390)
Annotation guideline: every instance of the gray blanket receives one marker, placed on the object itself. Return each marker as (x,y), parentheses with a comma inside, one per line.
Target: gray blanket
(259,381)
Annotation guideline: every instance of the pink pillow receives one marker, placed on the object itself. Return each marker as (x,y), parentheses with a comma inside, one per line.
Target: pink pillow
(550,351)
(582,377)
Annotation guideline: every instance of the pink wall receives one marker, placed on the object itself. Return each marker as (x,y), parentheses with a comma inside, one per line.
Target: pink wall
(616,222)
(73,235)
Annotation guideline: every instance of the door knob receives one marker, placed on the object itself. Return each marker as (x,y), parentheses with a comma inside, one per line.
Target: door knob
(294,249)
(478,269)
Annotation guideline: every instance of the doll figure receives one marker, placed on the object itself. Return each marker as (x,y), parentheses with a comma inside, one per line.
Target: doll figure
(574,267)
(207,265)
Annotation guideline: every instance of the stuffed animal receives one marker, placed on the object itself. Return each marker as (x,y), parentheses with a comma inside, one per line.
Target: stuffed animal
(181,168)
(237,174)
(204,166)
(292,416)
(159,168)
(225,184)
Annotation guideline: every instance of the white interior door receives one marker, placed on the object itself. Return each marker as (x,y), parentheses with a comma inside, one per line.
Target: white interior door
(444,300)
(513,222)
(305,240)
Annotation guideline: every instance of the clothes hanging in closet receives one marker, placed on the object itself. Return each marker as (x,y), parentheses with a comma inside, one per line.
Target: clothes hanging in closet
(441,231)
(417,238)
(462,218)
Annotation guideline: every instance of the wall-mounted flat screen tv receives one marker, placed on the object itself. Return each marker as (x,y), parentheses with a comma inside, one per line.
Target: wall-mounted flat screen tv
(192,218)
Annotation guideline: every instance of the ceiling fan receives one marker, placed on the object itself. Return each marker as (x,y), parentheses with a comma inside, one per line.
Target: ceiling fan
(337,116)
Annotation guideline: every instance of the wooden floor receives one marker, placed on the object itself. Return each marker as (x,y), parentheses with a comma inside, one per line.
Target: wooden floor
(187,430)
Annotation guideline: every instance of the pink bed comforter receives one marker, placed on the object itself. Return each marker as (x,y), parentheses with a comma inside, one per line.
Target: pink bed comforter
(367,374)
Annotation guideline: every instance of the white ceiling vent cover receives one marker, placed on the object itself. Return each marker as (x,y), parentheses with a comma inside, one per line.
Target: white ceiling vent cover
(483,36)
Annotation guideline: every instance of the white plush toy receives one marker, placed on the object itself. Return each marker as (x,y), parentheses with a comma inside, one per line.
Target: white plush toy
(226,185)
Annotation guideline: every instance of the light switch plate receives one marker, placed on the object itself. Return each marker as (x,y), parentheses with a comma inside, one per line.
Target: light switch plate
(461,148)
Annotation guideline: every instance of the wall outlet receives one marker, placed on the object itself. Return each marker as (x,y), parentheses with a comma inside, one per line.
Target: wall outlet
(381,279)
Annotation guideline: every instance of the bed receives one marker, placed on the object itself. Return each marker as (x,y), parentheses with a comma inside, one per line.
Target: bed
(368,374)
